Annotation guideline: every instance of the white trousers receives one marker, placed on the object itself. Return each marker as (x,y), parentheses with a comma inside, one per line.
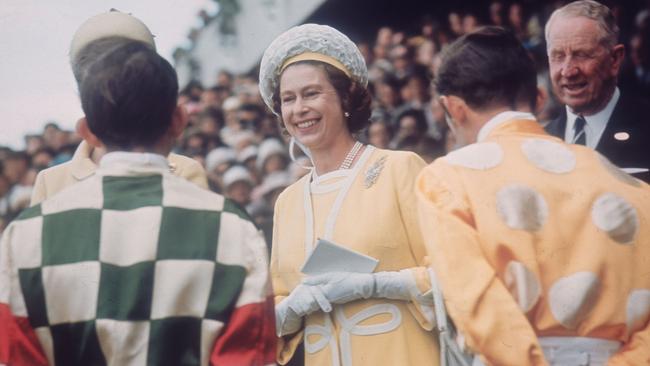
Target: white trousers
(574,351)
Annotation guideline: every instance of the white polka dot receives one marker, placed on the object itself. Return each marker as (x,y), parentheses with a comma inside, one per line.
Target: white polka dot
(522,284)
(618,173)
(521,208)
(549,156)
(480,156)
(572,297)
(615,216)
(638,309)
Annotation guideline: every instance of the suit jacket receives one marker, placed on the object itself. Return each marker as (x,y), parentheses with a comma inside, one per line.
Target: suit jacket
(630,115)
(52,180)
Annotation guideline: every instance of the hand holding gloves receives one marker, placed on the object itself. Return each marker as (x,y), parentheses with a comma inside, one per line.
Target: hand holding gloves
(302,301)
(320,291)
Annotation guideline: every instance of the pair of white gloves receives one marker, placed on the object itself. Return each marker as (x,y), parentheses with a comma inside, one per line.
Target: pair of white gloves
(321,291)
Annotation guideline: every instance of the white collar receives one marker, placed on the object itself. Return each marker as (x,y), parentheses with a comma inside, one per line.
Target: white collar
(133,159)
(596,123)
(499,119)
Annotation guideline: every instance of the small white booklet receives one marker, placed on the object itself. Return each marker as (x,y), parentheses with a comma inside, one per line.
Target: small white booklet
(330,257)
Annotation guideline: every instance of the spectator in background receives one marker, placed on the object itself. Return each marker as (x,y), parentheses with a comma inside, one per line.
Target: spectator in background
(238,185)
(387,99)
(217,162)
(210,122)
(497,12)
(271,157)
(455,24)
(379,134)
(214,97)
(585,57)
(16,164)
(51,133)
(248,158)
(635,76)
(410,122)
(34,143)
(470,23)
(224,80)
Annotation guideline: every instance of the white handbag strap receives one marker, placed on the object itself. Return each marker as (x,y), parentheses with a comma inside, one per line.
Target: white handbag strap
(438,303)
(450,353)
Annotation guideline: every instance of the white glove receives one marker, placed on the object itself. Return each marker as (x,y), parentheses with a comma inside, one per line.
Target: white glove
(302,301)
(343,287)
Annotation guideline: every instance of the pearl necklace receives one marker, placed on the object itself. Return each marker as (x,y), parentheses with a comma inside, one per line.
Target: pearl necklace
(349,158)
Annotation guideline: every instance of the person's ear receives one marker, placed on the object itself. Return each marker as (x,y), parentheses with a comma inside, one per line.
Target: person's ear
(84,131)
(617,54)
(179,121)
(457,109)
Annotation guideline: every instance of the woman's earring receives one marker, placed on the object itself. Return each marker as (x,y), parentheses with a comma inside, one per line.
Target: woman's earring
(346,114)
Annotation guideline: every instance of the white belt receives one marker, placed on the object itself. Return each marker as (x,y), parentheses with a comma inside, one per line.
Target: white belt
(350,326)
(578,351)
(574,351)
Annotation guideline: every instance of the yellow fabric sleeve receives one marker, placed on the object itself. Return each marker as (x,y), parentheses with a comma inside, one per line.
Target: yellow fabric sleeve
(477,301)
(286,345)
(405,175)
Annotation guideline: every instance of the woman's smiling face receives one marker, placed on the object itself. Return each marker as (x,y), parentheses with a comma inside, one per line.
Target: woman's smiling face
(310,106)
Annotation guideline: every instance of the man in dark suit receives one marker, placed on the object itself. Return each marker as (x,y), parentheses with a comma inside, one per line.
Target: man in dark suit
(584,60)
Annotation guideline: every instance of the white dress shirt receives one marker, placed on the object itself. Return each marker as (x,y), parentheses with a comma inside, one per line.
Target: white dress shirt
(595,123)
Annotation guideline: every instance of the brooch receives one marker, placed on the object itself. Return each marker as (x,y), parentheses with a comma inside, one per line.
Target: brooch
(373,172)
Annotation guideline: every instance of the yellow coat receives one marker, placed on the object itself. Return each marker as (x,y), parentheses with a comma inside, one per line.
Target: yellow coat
(52,180)
(378,217)
(537,238)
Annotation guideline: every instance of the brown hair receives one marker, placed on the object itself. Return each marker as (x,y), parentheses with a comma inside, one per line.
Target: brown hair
(355,98)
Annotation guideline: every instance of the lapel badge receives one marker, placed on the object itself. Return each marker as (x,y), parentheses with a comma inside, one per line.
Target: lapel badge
(622,136)
(373,172)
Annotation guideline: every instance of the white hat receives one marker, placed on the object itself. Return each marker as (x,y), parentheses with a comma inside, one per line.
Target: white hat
(248,152)
(219,156)
(236,174)
(273,181)
(231,103)
(309,42)
(111,24)
(268,148)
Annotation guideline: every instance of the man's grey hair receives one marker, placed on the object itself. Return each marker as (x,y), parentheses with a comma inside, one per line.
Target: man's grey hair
(593,10)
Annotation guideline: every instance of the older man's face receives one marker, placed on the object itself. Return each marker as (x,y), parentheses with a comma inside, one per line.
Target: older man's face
(583,71)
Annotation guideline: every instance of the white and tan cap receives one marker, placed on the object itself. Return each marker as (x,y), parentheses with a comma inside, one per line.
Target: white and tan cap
(237,174)
(312,42)
(111,24)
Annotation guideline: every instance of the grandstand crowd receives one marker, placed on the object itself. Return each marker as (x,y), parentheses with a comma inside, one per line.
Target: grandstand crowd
(245,152)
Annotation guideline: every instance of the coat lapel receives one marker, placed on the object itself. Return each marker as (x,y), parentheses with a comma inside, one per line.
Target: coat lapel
(81,165)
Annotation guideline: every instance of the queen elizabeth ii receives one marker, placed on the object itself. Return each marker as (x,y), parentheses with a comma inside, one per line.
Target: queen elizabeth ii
(358,196)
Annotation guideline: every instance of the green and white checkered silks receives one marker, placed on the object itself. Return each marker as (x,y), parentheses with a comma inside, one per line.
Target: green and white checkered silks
(116,265)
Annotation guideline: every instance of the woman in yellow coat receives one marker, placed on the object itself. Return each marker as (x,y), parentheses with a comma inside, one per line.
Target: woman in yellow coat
(357,196)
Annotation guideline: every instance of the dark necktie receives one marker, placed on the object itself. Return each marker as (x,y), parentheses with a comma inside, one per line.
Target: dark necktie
(579,136)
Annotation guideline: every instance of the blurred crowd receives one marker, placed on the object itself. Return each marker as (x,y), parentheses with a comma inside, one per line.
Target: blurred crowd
(245,152)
